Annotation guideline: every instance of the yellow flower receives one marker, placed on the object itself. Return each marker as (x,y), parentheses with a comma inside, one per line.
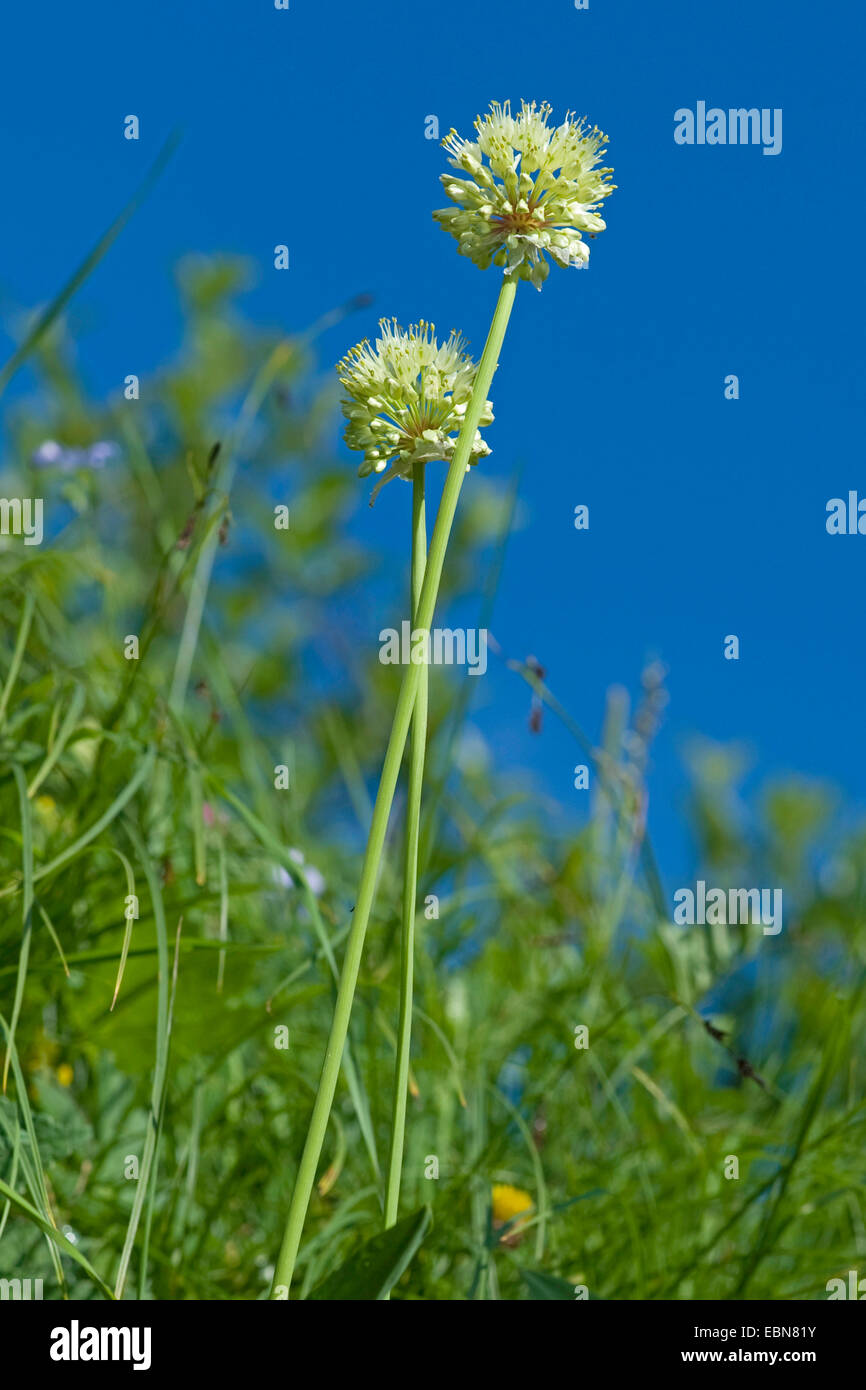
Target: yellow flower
(509,1202)
(42,1053)
(65,1074)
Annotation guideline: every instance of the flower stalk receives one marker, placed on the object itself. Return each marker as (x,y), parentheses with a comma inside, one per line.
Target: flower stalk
(417,750)
(381,811)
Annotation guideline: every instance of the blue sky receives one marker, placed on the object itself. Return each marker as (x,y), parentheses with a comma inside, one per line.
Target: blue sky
(706,515)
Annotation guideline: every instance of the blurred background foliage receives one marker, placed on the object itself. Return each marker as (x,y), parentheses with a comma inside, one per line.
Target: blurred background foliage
(160,1136)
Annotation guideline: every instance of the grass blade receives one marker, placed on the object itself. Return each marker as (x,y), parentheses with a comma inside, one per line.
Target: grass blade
(88,265)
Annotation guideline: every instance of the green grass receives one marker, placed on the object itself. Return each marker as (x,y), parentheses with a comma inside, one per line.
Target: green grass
(155,778)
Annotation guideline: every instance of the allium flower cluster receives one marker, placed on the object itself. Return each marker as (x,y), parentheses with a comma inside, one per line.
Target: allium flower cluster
(537,193)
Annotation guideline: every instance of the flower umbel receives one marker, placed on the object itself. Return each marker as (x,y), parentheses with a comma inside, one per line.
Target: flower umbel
(539,190)
(407,397)
(511,1208)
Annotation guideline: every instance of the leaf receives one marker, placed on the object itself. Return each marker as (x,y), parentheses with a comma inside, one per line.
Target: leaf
(63,1244)
(57,1137)
(546,1286)
(90,262)
(372,1271)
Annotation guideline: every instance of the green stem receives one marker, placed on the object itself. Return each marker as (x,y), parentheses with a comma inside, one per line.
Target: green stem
(252,403)
(381,811)
(410,870)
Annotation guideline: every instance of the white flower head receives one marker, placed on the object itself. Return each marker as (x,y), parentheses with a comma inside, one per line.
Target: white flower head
(314,878)
(406,399)
(537,193)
